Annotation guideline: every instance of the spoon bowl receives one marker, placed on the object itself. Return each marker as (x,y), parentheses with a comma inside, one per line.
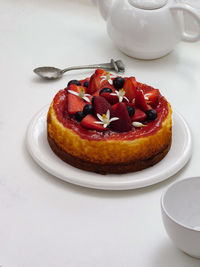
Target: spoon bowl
(48,72)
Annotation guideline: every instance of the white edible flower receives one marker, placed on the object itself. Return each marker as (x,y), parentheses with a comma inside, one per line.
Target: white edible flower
(105,119)
(107,77)
(121,94)
(81,94)
(138,124)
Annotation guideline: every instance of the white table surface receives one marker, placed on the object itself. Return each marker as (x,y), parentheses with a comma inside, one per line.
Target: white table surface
(45,222)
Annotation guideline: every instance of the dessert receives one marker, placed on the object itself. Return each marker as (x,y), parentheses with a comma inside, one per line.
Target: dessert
(109,124)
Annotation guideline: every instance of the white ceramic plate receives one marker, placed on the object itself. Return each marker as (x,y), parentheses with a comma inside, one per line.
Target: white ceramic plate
(177,157)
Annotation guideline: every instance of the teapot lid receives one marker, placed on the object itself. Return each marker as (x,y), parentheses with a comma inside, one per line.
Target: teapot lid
(148,4)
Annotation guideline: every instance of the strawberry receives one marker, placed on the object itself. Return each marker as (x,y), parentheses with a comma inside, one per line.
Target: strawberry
(95,81)
(115,106)
(139,115)
(140,101)
(76,88)
(86,80)
(72,87)
(101,105)
(130,88)
(152,97)
(112,99)
(74,104)
(124,122)
(96,93)
(89,123)
(99,72)
(144,87)
(106,84)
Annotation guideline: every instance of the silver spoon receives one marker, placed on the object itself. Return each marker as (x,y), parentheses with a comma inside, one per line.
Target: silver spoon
(55,73)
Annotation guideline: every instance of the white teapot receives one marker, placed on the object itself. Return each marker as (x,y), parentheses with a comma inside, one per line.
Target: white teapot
(147,29)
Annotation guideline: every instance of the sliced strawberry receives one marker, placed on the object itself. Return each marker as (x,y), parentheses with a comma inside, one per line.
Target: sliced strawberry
(85,80)
(95,81)
(140,101)
(73,87)
(76,88)
(112,99)
(106,84)
(144,87)
(130,88)
(139,115)
(152,97)
(99,72)
(97,92)
(114,107)
(89,123)
(123,124)
(101,105)
(74,103)
(94,84)
(127,104)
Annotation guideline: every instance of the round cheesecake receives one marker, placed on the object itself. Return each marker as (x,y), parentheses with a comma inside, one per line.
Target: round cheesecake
(135,134)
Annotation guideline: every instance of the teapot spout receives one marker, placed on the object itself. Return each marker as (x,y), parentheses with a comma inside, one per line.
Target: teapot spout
(105,7)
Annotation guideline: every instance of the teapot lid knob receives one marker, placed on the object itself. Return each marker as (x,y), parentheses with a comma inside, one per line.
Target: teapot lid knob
(148,4)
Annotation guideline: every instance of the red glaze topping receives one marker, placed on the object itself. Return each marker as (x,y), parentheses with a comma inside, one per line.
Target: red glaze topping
(146,98)
(60,107)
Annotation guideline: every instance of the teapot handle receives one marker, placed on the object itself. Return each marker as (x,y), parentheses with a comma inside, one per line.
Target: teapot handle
(192,11)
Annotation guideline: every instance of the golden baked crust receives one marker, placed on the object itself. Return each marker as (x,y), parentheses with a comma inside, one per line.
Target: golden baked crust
(109,152)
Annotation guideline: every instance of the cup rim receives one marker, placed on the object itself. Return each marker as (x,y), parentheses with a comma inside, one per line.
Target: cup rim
(165,210)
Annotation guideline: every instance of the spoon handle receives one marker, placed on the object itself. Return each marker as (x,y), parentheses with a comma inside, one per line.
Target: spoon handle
(116,66)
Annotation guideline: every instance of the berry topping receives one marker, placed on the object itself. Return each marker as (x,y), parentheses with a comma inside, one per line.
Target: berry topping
(74,104)
(80,92)
(121,95)
(112,99)
(79,115)
(96,93)
(130,110)
(88,109)
(95,81)
(130,88)
(140,101)
(107,78)
(104,100)
(151,114)
(99,72)
(101,105)
(105,90)
(86,84)
(73,87)
(152,97)
(118,83)
(74,82)
(139,115)
(92,101)
(105,119)
(89,122)
(123,124)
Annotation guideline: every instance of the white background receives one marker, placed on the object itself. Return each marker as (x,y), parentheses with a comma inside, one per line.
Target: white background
(45,222)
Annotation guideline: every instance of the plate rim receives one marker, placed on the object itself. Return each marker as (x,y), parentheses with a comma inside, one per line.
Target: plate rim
(111,184)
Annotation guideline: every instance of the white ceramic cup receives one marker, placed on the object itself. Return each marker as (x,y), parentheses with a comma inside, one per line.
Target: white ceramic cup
(180,206)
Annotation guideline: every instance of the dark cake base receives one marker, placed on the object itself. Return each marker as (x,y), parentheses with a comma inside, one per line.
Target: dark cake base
(107,168)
